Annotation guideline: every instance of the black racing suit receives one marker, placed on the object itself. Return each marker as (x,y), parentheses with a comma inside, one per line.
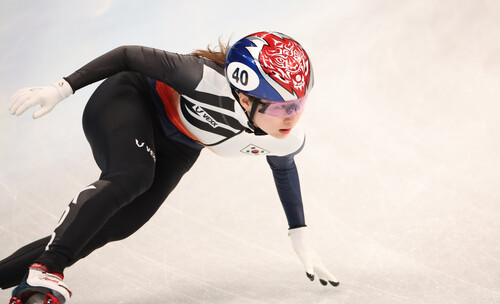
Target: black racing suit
(143,149)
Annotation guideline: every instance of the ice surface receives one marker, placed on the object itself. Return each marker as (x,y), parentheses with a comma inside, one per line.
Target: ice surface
(400,175)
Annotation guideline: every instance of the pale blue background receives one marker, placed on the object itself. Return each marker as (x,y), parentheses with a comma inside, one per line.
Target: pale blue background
(400,175)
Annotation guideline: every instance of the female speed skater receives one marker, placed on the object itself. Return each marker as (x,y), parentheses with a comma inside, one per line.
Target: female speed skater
(146,124)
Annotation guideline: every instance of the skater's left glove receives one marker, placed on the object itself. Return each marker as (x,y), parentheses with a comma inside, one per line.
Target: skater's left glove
(313,264)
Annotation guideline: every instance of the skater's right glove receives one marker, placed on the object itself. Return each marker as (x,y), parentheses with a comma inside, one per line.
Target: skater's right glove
(47,97)
(313,264)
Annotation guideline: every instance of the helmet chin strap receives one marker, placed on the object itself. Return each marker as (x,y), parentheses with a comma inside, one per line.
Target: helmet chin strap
(253,109)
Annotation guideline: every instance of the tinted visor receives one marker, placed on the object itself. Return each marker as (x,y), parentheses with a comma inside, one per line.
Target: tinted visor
(283,108)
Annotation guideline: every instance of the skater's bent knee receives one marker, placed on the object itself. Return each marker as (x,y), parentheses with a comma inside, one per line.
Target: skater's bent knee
(135,179)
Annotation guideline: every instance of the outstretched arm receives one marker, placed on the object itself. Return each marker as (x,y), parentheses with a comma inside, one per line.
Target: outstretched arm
(158,64)
(171,68)
(287,183)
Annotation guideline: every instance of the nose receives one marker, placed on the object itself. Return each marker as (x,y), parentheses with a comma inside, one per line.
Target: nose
(291,119)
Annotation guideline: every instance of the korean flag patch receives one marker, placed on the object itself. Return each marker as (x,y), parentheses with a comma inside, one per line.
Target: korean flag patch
(254,150)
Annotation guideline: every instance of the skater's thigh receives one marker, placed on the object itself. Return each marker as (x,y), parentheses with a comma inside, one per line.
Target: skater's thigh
(118,122)
(173,161)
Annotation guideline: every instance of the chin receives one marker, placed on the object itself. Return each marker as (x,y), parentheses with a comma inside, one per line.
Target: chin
(279,135)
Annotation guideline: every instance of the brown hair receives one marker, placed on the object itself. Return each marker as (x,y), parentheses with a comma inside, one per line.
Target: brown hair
(217,54)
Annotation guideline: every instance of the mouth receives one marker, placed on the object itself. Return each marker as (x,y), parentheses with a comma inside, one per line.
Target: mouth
(285,131)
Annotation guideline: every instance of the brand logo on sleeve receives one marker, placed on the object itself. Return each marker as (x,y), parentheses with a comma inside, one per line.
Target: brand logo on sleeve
(200,112)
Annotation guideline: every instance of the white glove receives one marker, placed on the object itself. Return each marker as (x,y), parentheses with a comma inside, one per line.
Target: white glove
(47,97)
(309,257)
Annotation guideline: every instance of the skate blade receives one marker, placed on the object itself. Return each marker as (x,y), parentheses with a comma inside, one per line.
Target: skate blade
(37,298)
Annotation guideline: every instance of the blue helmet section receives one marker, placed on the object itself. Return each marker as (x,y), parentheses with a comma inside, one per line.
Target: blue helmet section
(240,53)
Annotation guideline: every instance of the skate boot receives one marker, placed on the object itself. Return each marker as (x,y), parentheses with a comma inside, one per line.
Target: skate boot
(41,286)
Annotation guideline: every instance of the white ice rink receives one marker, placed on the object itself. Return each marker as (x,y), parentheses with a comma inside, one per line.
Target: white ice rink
(400,175)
